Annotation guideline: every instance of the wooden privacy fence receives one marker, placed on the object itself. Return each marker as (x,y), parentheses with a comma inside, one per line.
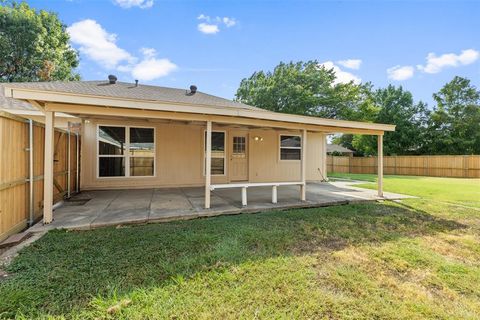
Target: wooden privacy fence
(21,185)
(434,166)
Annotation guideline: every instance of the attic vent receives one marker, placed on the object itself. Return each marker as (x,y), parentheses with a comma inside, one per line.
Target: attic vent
(112,79)
(193,90)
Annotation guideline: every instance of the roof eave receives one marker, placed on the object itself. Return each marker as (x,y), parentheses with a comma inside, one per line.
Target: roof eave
(83,99)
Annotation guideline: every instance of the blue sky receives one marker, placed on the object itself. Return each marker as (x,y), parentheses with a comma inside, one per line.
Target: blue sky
(420,45)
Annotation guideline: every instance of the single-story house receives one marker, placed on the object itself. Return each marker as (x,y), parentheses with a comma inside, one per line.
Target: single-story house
(336,149)
(142,136)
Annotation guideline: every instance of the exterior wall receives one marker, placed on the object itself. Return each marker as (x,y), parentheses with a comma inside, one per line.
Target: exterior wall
(180,152)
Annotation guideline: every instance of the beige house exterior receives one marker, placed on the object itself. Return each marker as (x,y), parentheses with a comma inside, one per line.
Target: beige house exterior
(137,136)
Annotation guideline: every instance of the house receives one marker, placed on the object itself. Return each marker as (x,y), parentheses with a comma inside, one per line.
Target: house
(141,136)
(336,149)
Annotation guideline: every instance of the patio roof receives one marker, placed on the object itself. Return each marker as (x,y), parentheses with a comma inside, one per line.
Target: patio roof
(58,96)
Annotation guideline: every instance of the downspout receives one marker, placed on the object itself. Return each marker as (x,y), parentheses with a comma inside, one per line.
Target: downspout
(30,173)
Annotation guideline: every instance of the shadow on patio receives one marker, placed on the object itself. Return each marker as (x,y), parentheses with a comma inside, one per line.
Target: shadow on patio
(93,209)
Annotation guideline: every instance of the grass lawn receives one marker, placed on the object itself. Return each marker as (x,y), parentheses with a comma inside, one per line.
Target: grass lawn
(452,190)
(411,260)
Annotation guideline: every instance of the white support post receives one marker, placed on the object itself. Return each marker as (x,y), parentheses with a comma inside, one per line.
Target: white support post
(274,194)
(380,165)
(48,167)
(208,164)
(69,159)
(303,187)
(244,196)
(324,158)
(77,162)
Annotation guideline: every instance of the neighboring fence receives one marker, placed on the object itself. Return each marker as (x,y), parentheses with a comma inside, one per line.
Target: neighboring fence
(435,166)
(18,205)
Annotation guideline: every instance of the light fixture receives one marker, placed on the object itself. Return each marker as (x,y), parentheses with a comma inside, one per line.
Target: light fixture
(257,138)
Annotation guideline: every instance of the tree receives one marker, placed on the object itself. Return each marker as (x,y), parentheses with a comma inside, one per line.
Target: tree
(305,88)
(454,125)
(34,45)
(396,106)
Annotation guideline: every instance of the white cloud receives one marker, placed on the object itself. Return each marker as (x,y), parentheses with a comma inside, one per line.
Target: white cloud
(350,63)
(143,4)
(212,25)
(400,73)
(341,76)
(435,63)
(152,68)
(229,22)
(97,44)
(148,52)
(208,28)
(100,46)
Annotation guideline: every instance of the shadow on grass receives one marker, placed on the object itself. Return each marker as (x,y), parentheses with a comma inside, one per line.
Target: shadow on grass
(63,270)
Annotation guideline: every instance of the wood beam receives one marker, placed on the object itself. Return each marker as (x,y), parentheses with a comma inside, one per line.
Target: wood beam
(183,107)
(303,187)
(48,167)
(380,164)
(39,105)
(183,116)
(208,164)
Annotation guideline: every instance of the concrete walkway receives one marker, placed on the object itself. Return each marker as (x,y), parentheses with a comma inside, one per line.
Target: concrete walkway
(93,209)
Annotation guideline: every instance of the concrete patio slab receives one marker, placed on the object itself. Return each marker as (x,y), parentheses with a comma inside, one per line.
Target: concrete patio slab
(93,209)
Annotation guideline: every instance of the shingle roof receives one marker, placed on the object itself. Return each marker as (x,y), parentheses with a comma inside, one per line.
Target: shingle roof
(13,104)
(337,148)
(130,91)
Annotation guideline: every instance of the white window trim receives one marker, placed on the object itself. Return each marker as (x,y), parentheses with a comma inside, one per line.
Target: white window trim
(127,155)
(224,153)
(296,148)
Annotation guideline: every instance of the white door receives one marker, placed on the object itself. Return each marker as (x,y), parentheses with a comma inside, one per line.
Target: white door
(238,156)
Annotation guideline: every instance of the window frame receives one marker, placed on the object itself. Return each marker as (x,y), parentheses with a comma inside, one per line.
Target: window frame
(127,154)
(224,153)
(295,148)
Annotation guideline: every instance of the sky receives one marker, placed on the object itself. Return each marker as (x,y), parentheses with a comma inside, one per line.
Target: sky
(420,45)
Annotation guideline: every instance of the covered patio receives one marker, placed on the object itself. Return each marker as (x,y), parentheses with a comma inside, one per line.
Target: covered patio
(155,154)
(101,208)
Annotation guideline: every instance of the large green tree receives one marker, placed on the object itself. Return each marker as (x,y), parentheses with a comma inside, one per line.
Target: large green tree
(454,124)
(396,106)
(34,45)
(305,88)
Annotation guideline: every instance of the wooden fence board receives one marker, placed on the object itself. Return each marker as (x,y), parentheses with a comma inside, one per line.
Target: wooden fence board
(14,172)
(461,166)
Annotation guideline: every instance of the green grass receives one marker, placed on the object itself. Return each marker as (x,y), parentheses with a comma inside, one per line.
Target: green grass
(452,190)
(412,260)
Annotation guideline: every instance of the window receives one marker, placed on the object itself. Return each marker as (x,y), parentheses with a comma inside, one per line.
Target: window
(290,147)
(142,152)
(113,157)
(218,152)
(239,144)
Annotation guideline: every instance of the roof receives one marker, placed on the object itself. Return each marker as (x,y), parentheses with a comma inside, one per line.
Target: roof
(131,91)
(338,148)
(14,104)
(67,96)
